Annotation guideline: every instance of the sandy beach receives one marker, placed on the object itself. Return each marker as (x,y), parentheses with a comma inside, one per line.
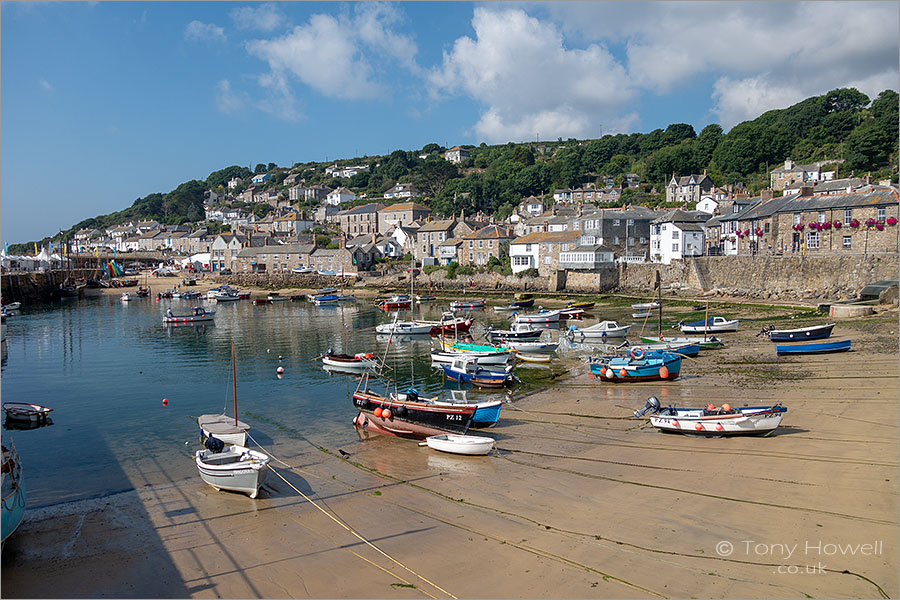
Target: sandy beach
(580,501)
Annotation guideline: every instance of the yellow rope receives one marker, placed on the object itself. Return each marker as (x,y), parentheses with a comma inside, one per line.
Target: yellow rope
(365,541)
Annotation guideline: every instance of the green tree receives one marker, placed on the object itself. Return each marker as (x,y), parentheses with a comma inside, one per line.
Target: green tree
(844,99)
(868,147)
(260,169)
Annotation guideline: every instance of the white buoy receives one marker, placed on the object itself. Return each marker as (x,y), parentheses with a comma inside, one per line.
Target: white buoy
(280,370)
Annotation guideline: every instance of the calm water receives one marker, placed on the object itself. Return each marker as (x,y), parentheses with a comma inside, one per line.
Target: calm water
(105,366)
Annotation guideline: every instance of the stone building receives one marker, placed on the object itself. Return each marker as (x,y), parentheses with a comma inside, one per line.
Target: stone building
(478,247)
(360,220)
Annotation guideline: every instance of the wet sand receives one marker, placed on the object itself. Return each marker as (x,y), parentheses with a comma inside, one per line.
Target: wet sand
(580,501)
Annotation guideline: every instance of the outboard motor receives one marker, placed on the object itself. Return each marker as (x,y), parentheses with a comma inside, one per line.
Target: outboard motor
(214,445)
(651,406)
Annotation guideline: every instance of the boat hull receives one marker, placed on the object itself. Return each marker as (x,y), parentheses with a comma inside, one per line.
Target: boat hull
(712,325)
(703,343)
(181,319)
(471,445)
(236,469)
(820,348)
(548,317)
(343,361)
(481,378)
(484,358)
(222,427)
(804,334)
(14,494)
(21,411)
(758,420)
(416,420)
(627,369)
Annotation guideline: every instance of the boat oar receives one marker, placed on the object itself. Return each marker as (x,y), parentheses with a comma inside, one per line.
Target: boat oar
(423,443)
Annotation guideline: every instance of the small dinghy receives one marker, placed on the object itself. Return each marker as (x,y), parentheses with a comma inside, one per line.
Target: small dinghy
(640,315)
(460,444)
(235,468)
(470,304)
(357,362)
(500,357)
(817,348)
(710,325)
(519,331)
(712,421)
(802,334)
(645,306)
(601,330)
(531,346)
(198,315)
(543,316)
(23,411)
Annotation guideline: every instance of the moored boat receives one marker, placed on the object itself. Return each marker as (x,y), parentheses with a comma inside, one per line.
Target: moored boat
(24,411)
(814,332)
(498,357)
(467,370)
(221,426)
(601,330)
(405,328)
(643,306)
(581,305)
(705,343)
(570,313)
(464,304)
(487,412)
(543,316)
(233,468)
(13,491)
(198,315)
(395,302)
(816,348)
(357,362)
(712,420)
(638,366)
(471,445)
(710,325)
(518,331)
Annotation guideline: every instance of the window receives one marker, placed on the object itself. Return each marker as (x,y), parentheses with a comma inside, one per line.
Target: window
(547,260)
(481,243)
(471,244)
(812,239)
(565,246)
(674,247)
(882,214)
(821,216)
(521,261)
(490,243)
(631,241)
(471,255)
(796,218)
(848,215)
(630,222)
(643,240)
(615,222)
(766,227)
(675,233)
(527,247)
(846,241)
(616,240)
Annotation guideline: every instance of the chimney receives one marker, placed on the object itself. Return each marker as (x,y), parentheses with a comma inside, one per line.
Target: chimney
(766,195)
(788,164)
(806,191)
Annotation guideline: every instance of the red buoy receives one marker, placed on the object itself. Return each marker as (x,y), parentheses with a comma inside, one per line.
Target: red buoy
(675,423)
(664,372)
(698,427)
(377,412)
(719,427)
(165,401)
(279,370)
(622,372)
(726,406)
(603,370)
(710,407)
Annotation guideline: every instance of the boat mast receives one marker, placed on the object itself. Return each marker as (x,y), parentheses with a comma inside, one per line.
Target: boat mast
(658,286)
(234,381)
(706,321)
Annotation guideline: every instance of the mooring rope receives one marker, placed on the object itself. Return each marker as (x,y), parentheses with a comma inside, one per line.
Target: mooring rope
(357,535)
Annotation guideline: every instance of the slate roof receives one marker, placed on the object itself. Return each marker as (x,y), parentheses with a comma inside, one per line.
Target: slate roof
(548,237)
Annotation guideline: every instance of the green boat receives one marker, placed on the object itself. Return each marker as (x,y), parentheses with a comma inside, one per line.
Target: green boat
(704,343)
(466,347)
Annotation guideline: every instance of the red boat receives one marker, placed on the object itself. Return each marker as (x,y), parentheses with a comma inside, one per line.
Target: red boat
(395,302)
(262,301)
(450,325)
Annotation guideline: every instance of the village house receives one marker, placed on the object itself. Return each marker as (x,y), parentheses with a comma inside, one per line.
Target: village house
(540,250)
(850,185)
(456,154)
(431,234)
(625,231)
(674,236)
(238,217)
(532,206)
(291,224)
(261,178)
(336,171)
(147,242)
(401,190)
(688,189)
(792,173)
(405,236)
(403,213)
(234,182)
(587,258)
(199,241)
(449,251)
(479,246)
(147,226)
(132,244)
(360,220)
(808,224)
(224,250)
(340,196)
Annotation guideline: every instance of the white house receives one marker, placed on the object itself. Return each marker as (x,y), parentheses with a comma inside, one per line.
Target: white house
(234,182)
(261,178)
(540,250)
(401,190)
(708,204)
(675,236)
(586,258)
(339,196)
(456,154)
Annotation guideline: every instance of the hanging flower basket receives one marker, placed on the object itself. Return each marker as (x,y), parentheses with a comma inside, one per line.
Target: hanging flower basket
(870,222)
(891,221)
(758,231)
(853,223)
(879,226)
(799,227)
(837,224)
(826,225)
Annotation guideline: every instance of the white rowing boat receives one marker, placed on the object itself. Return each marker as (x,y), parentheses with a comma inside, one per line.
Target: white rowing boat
(460,444)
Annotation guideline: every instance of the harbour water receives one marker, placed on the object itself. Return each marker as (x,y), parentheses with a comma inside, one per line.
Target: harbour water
(105,367)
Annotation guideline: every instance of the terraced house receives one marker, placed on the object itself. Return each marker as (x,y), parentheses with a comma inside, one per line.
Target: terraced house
(541,251)
(479,246)
(432,234)
(360,220)
(401,214)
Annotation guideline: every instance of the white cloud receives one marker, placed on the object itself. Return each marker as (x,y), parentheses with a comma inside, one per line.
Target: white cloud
(46,85)
(519,68)
(227,101)
(265,17)
(762,55)
(204,32)
(279,99)
(340,57)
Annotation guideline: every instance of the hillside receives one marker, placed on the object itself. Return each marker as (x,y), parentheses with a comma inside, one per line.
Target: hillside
(842,124)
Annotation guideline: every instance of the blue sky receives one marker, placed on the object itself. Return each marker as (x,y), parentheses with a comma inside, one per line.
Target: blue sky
(106,102)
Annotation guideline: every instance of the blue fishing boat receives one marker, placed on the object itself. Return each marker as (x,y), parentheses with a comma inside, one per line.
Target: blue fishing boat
(819,348)
(801,334)
(638,365)
(466,370)
(487,412)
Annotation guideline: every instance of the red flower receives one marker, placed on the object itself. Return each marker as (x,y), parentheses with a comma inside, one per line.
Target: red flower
(826,225)
(891,221)
(853,223)
(837,224)
(879,226)
(870,222)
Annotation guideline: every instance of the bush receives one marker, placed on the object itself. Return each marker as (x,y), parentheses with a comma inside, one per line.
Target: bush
(465,270)
(451,270)
(429,269)
(528,273)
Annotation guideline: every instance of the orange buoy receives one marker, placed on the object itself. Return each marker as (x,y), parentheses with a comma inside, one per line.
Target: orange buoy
(622,372)
(719,427)
(603,370)
(664,372)
(165,401)
(699,426)
(377,412)
(675,423)
(710,407)
(386,413)
(726,406)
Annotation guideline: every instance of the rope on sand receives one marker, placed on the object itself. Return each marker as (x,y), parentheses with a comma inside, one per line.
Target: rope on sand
(359,536)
